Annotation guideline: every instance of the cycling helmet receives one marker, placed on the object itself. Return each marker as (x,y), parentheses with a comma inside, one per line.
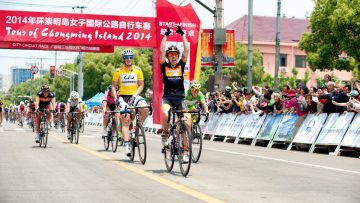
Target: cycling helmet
(172,48)
(74,95)
(22,103)
(127,52)
(195,85)
(45,87)
(227,88)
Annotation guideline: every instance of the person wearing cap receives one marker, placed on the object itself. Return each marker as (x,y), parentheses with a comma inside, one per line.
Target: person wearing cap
(353,104)
(44,100)
(172,72)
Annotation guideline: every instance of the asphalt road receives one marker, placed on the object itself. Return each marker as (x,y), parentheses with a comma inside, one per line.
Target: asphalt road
(65,172)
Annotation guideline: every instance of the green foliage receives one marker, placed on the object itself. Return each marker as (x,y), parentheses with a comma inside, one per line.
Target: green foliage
(306,77)
(335,30)
(239,72)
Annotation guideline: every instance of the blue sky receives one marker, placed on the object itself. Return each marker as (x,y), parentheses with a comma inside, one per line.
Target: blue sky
(233,9)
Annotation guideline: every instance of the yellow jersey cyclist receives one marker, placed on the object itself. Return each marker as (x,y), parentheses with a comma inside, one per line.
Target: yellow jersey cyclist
(73,105)
(130,80)
(193,96)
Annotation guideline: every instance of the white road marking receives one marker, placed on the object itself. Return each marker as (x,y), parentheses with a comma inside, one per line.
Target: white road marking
(276,159)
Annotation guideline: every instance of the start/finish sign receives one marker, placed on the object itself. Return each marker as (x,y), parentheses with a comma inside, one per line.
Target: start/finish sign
(72,28)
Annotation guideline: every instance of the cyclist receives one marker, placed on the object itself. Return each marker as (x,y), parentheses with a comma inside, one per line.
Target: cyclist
(21,111)
(6,109)
(44,100)
(1,112)
(192,97)
(108,104)
(73,105)
(60,109)
(130,80)
(172,71)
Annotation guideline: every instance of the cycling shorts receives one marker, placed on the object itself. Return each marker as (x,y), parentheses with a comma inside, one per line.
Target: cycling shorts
(175,103)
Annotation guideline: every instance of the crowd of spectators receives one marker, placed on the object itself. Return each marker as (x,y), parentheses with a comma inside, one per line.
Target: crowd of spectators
(331,98)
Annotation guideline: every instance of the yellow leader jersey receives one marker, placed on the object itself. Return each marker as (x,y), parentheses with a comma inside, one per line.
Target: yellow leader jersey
(128,80)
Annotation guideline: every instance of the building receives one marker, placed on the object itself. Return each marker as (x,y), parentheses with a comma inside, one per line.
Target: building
(264,35)
(19,74)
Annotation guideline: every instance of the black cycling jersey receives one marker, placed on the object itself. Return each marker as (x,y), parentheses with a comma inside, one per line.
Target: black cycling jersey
(45,101)
(173,80)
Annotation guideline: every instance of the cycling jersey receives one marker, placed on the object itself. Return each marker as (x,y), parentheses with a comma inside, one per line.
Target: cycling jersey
(45,101)
(108,98)
(61,106)
(22,107)
(190,101)
(128,80)
(173,80)
(74,103)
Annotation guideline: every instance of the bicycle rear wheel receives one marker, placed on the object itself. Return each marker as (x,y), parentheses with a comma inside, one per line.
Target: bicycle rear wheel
(141,142)
(169,155)
(184,137)
(114,138)
(196,136)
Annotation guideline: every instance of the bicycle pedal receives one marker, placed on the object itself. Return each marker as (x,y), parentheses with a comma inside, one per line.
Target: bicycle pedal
(163,150)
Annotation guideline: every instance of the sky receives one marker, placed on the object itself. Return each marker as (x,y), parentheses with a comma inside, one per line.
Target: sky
(233,9)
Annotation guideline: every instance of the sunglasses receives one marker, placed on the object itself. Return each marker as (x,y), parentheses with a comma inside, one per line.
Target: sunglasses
(173,54)
(128,57)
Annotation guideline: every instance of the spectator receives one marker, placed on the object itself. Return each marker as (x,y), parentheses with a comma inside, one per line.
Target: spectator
(278,105)
(237,100)
(353,104)
(327,78)
(356,85)
(212,104)
(329,107)
(311,104)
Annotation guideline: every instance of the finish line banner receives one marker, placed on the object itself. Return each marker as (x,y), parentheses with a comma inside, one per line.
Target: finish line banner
(71,28)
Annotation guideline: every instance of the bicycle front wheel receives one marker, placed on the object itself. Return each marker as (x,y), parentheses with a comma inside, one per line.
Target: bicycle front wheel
(184,148)
(196,143)
(114,138)
(107,139)
(169,155)
(132,148)
(77,131)
(45,135)
(141,142)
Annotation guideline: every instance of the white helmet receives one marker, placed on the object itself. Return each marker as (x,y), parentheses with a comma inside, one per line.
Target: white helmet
(21,103)
(74,95)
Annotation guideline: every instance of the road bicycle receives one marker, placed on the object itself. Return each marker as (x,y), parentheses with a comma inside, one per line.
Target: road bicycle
(74,127)
(179,142)
(137,133)
(44,130)
(196,136)
(62,122)
(112,133)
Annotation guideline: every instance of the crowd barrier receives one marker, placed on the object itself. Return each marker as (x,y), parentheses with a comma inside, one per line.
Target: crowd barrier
(335,132)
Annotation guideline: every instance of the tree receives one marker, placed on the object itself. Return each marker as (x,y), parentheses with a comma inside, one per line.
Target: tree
(334,32)
(239,72)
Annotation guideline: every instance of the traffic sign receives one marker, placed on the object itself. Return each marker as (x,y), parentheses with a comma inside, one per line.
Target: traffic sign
(34,70)
(60,72)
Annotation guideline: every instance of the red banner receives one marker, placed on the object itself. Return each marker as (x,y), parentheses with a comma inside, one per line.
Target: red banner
(171,15)
(56,47)
(207,48)
(84,29)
